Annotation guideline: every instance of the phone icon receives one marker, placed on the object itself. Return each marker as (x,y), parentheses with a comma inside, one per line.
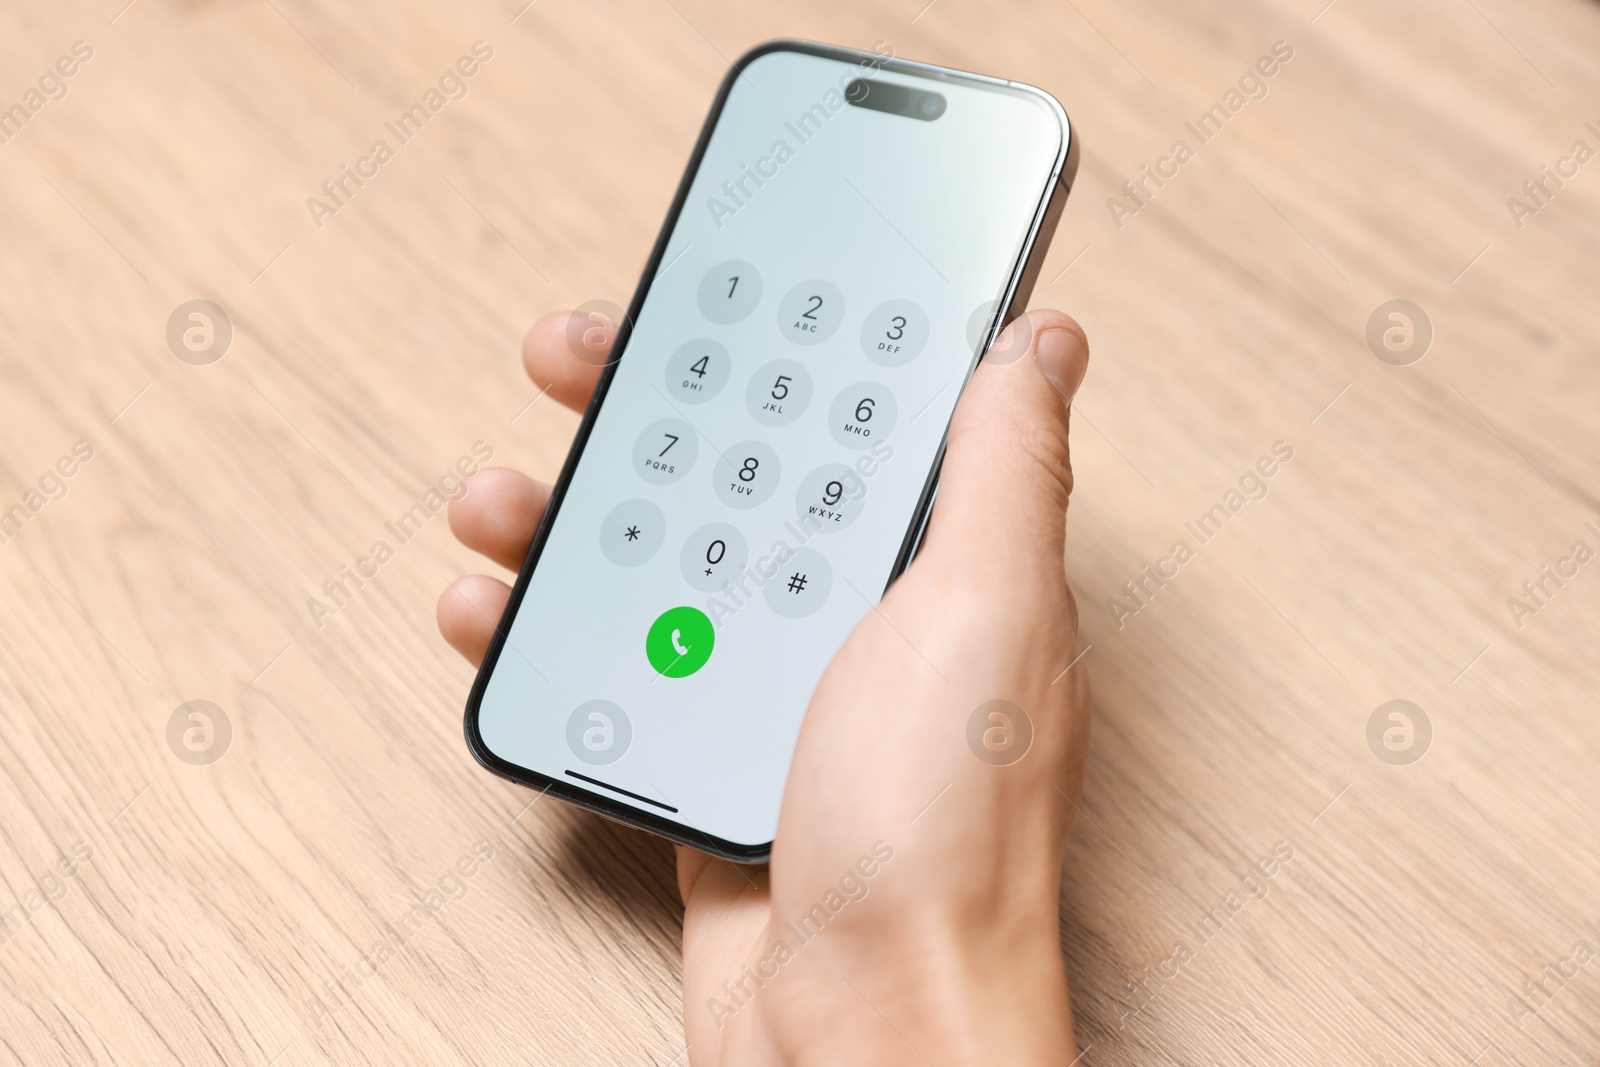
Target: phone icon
(679,642)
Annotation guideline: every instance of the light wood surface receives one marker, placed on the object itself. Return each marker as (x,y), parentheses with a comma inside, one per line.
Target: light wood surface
(226,913)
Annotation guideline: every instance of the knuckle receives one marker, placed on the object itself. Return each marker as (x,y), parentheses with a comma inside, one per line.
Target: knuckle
(1043,448)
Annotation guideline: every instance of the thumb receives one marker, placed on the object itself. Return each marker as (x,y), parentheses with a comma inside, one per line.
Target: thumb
(1000,514)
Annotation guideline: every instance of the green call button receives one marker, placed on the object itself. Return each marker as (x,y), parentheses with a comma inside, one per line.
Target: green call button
(679,642)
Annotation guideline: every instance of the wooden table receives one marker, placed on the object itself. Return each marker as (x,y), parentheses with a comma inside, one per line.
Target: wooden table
(344,885)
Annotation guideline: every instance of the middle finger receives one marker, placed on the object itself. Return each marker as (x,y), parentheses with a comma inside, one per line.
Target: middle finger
(498,514)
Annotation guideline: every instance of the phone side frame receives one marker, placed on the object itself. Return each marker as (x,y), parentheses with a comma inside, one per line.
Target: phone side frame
(1013,306)
(1018,289)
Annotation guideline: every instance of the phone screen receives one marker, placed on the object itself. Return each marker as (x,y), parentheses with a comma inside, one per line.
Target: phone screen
(766,438)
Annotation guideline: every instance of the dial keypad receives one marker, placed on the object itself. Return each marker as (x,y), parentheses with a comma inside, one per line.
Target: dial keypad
(780,475)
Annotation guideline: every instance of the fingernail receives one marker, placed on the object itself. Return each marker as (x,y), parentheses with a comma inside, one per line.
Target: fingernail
(1064,358)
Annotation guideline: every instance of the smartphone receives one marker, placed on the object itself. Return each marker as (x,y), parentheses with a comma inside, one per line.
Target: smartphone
(760,456)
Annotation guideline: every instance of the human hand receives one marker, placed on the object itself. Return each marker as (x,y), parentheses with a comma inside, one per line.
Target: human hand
(945,941)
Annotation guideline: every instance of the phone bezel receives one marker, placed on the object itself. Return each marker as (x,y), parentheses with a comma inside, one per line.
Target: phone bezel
(1019,285)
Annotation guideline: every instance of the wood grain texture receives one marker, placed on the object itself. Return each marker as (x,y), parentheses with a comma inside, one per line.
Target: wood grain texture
(253,911)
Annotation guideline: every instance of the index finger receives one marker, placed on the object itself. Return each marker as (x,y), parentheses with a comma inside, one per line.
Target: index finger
(565,351)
